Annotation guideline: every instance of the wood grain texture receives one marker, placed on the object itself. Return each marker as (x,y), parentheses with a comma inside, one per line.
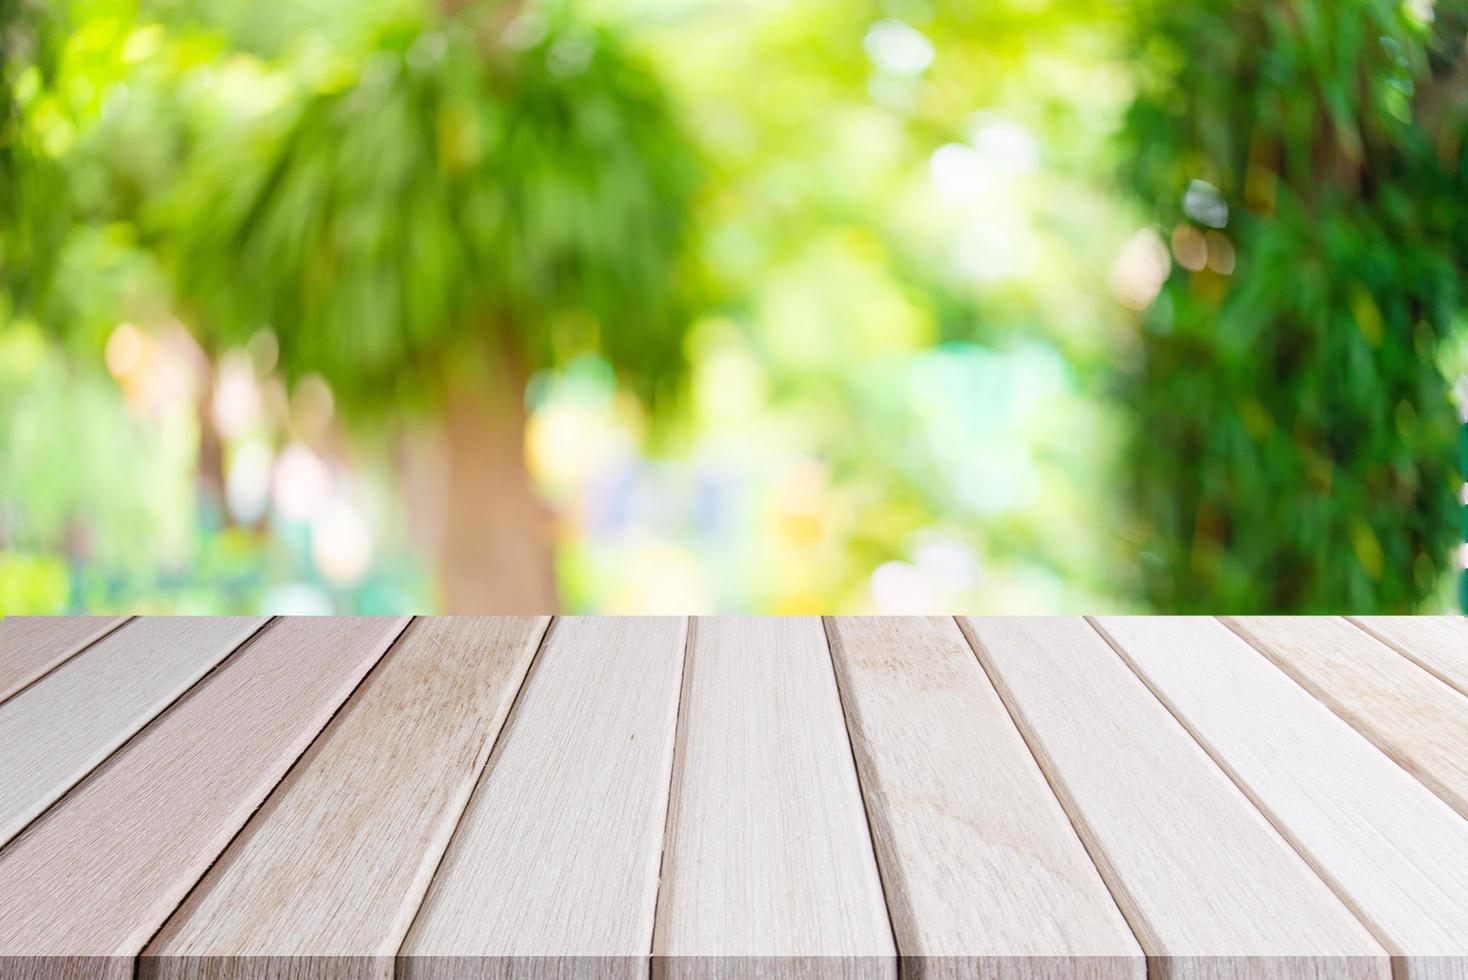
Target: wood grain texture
(1406,712)
(768,869)
(985,875)
(32,645)
(326,879)
(1437,644)
(1209,887)
(1396,852)
(101,872)
(554,867)
(61,727)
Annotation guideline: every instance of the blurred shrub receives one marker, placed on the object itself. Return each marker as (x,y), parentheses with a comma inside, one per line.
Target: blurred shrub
(1293,438)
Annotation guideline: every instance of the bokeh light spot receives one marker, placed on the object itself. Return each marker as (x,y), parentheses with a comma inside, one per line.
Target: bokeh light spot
(898,48)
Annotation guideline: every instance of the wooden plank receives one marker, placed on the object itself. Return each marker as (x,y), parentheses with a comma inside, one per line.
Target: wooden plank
(1438,644)
(554,868)
(1406,712)
(1392,849)
(769,869)
(61,727)
(84,887)
(326,879)
(32,645)
(985,875)
(1208,885)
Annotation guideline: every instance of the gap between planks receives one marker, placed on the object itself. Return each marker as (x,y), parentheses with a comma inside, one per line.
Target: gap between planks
(678,750)
(1067,806)
(484,770)
(213,746)
(396,765)
(1400,863)
(1282,830)
(108,700)
(985,874)
(21,673)
(771,857)
(1437,644)
(828,627)
(269,798)
(548,782)
(1118,757)
(1407,712)
(266,800)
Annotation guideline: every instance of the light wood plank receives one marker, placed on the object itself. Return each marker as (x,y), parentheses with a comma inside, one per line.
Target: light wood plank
(985,875)
(769,869)
(554,868)
(1438,644)
(1395,851)
(91,881)
(32,645)
(61,727)
(1406,712)
(1208,885)
(326,879)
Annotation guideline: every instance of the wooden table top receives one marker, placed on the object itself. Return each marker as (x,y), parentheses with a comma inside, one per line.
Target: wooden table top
(1007,798)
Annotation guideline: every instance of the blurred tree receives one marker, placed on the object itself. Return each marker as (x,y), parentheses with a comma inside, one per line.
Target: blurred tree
(1293,438)
(467,198)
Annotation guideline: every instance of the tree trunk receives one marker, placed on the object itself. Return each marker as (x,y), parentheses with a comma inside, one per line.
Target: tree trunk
(495,553)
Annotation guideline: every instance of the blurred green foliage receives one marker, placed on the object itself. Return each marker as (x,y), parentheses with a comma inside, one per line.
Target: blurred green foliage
(438,194)
(1292,436)
(27,232)
(938,346)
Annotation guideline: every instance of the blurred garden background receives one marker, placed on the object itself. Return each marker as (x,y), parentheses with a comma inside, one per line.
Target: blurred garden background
(732,305)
